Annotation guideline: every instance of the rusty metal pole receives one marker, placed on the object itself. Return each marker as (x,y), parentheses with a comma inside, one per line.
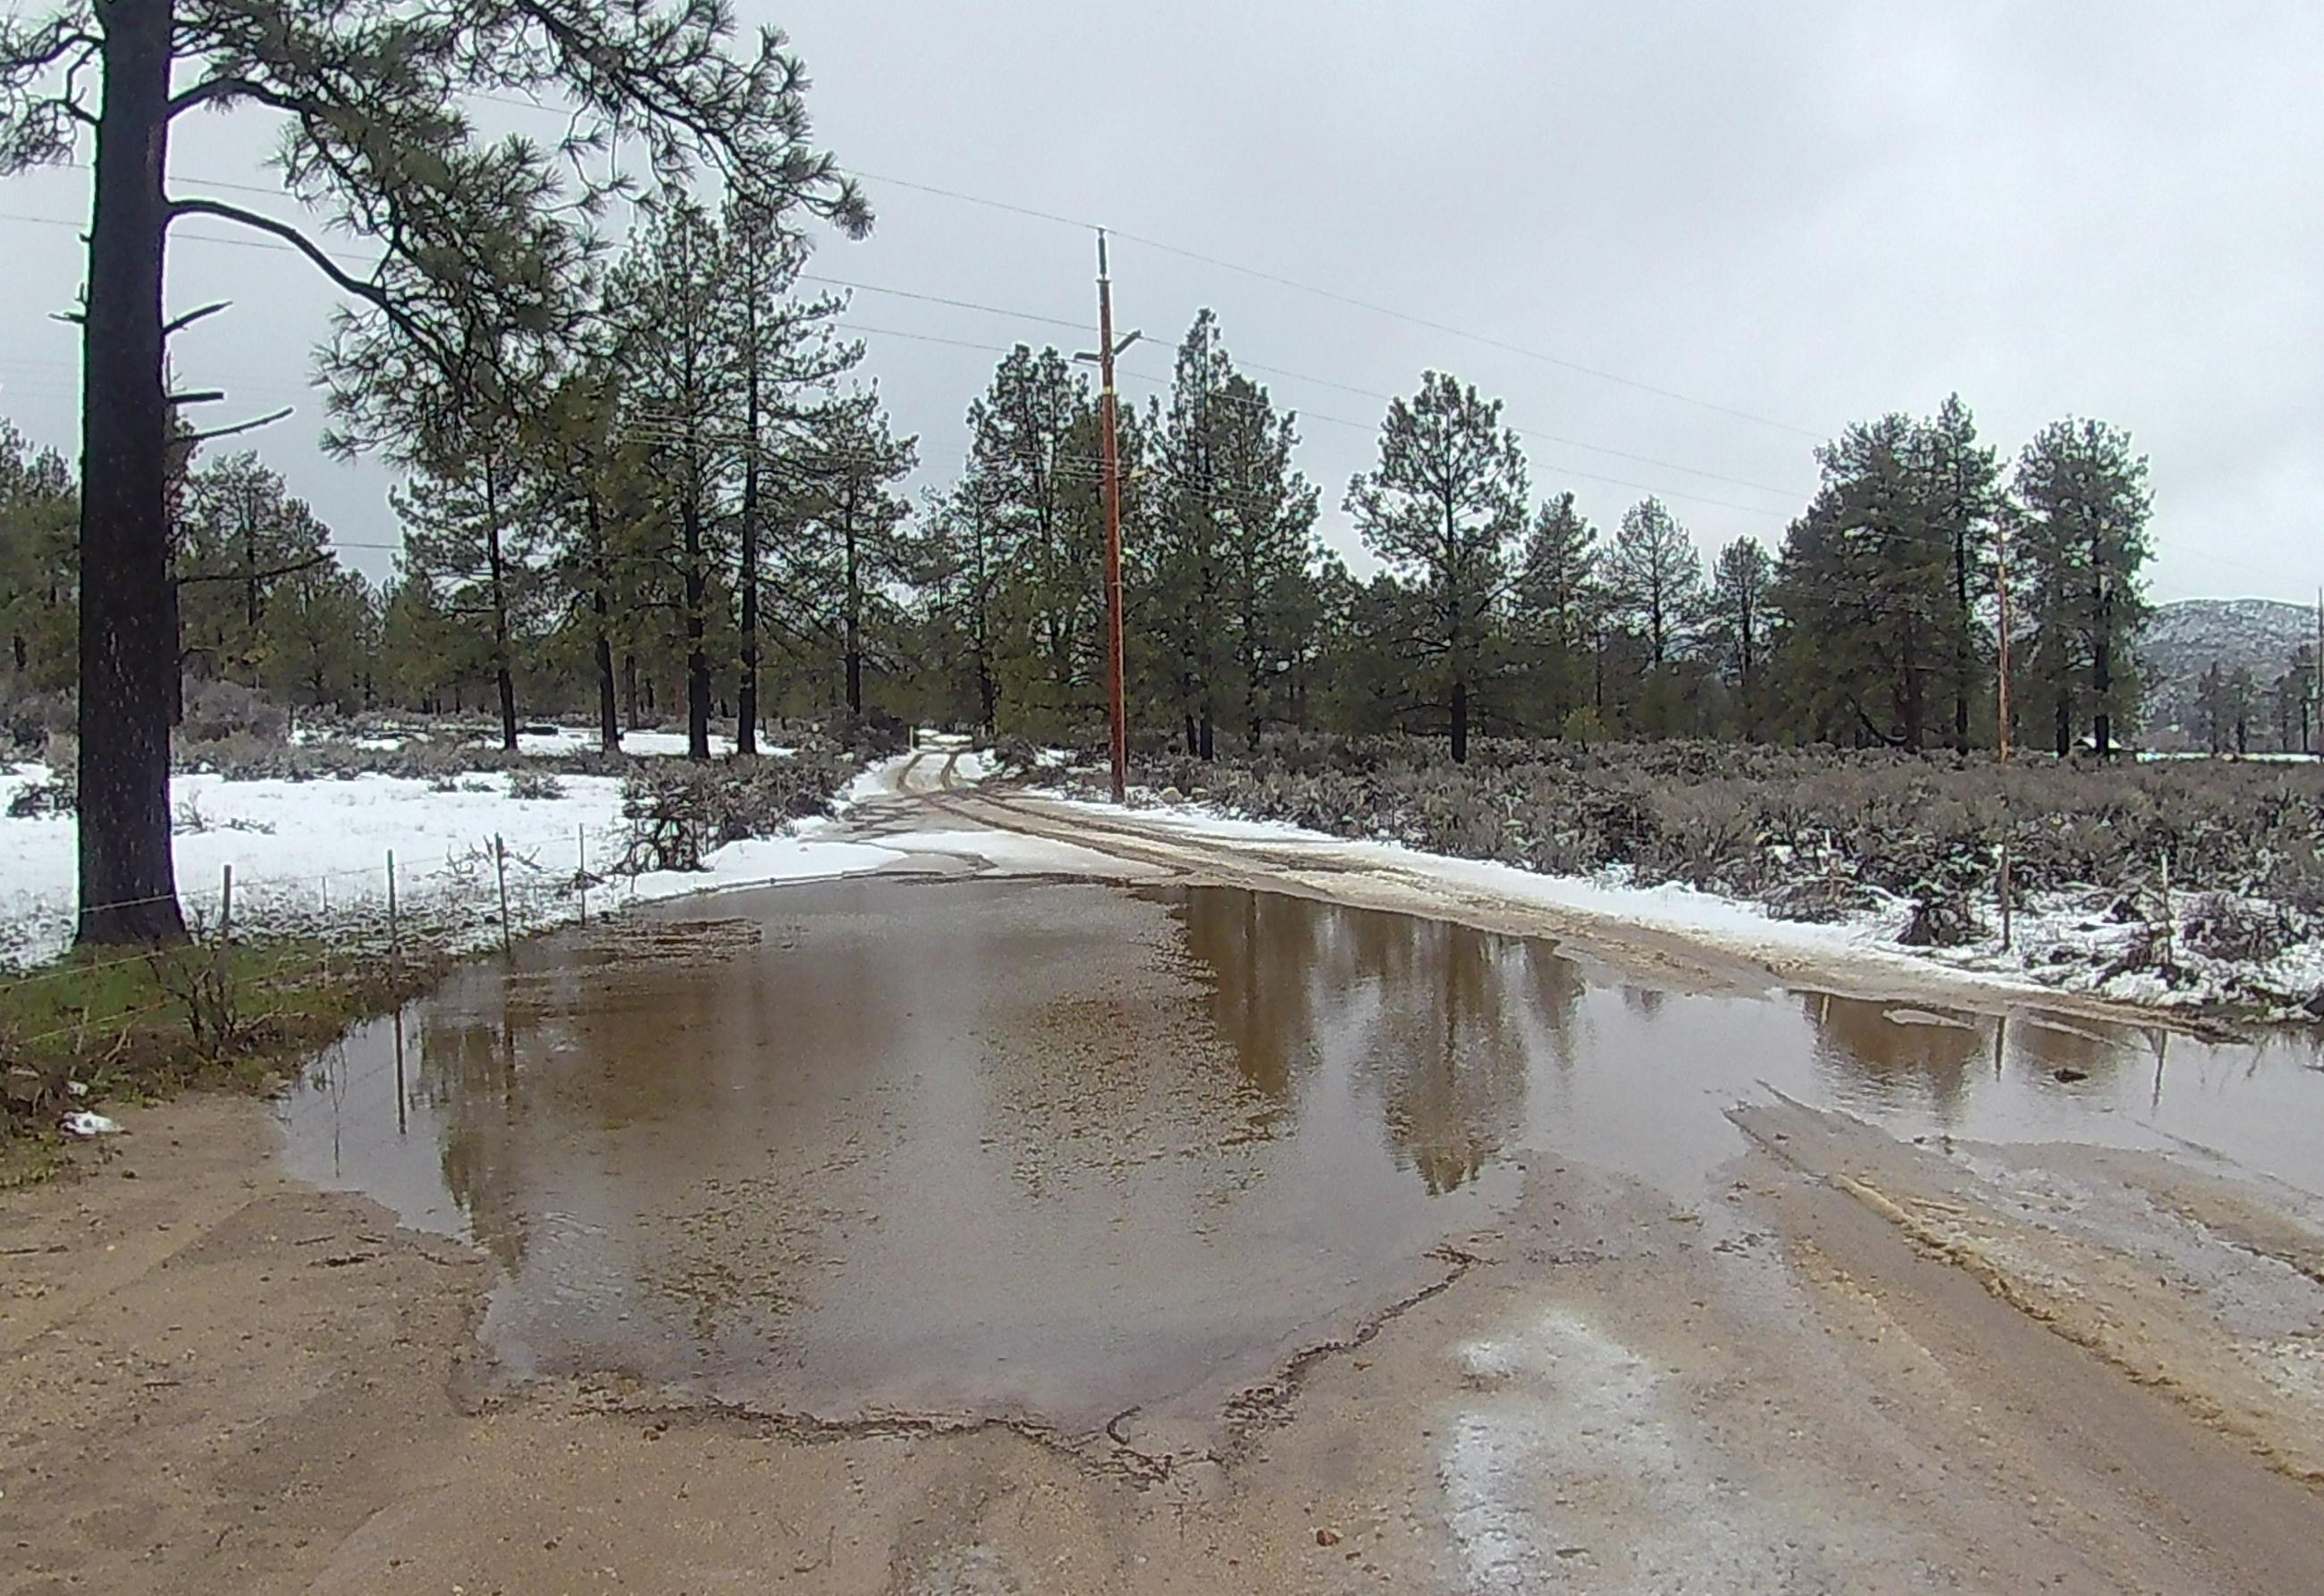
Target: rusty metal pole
(1113,479)
(2001,676)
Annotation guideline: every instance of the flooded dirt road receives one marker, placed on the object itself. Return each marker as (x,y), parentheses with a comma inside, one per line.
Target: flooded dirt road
(1045,1233)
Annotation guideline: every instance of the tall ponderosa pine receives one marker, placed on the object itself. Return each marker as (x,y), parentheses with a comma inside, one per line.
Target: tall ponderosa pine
(786,363)
(244,535)
(2080,544)
(40,568)
(849,553)
(1881,581)
(1559,600)
(1230,527)
(465,536)
(1737,612)
(678,373)
(368,96)
(1443,510)
(1033,467)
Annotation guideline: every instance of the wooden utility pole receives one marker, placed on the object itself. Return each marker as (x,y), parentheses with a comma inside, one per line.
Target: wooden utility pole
(1106,351)
(2001,674)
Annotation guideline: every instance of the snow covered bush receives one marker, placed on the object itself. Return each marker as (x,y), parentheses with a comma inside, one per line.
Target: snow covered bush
(679,812)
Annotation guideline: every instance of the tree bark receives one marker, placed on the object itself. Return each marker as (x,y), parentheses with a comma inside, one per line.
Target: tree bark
(855,618)
(1459,721)
(128,653)
(698,658)
(2101,656)
(503,675)
(1961,652)
(746,696)
(609,725)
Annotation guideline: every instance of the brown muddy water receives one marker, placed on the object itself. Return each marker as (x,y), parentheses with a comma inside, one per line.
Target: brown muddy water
(1061,1148)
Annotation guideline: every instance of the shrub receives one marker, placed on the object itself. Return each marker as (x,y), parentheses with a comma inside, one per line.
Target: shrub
(530,784)
(679,812)
(57,796)
(216,711)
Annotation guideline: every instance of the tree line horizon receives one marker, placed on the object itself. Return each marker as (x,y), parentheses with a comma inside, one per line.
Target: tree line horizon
(643,472)
(621,550)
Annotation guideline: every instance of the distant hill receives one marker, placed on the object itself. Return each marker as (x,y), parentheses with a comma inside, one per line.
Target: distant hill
(2185,637)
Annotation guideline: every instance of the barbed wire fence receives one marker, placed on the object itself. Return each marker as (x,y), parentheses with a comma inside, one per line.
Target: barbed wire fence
(258,928)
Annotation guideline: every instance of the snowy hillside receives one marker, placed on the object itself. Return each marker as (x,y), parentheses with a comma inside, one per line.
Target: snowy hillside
(2187,637)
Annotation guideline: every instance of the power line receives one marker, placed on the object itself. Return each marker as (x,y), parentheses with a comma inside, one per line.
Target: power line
(1353,302)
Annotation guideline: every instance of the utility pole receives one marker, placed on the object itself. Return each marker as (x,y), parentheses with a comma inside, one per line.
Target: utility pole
(1106,350)
(2001,675)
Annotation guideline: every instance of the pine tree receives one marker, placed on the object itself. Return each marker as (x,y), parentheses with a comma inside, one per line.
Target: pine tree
(1964,510)
(958,565)
(584,482)
(244,535)
(1442,509)
(788,362)
(463,537)
(374,140)
(675,349)
(1655,574)
(1654,582)
(2211,713)
(1232,520)
(1033,467)
(849,553)
(1739,620)
(40,573)
(2081,504)
(1558,600)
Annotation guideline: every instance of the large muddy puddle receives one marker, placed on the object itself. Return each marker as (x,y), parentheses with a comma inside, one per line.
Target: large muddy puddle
(1061,1148)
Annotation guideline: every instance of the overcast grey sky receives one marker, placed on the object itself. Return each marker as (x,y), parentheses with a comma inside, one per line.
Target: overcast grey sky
(1807,213)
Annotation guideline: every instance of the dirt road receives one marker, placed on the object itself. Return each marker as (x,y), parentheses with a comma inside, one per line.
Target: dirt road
(1031,1239)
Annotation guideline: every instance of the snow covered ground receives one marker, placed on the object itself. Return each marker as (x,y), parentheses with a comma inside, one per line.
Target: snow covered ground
(2059,942)
(315,853)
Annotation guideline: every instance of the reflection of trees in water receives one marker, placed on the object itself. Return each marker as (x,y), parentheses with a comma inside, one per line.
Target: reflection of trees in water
(1899,1060)
(1437,1022)
(467,1067)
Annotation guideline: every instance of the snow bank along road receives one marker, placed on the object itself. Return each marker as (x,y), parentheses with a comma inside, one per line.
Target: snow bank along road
(1361,1242)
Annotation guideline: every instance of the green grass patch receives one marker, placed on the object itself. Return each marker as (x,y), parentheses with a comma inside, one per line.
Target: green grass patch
(136,1026)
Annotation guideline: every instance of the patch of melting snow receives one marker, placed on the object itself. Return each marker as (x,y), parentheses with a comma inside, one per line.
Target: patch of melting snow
(1569,1465)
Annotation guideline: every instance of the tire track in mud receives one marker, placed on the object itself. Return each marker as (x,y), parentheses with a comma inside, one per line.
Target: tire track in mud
(2046,1339)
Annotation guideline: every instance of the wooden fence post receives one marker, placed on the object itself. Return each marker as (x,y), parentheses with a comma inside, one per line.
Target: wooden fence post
(499,869)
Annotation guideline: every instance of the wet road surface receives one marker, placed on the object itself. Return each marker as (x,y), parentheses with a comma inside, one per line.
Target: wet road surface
(1064,1150)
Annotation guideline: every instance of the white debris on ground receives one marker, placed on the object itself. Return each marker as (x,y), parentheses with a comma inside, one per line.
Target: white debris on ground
(1568,1465)
(80,1122)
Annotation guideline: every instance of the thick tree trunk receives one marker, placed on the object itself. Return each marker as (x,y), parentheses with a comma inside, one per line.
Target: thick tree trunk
(503,675)
(698,657)
(2101,661)
(855,618)
(988,692)
(1962,657)
(128,654)
(746,696)
(629,688)
(1460,719)
(609,724)
(2065,726)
